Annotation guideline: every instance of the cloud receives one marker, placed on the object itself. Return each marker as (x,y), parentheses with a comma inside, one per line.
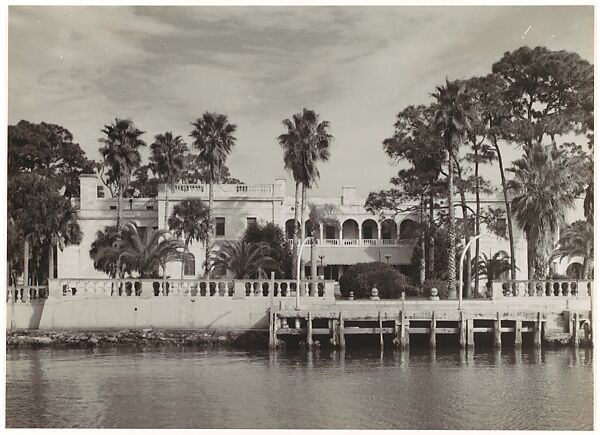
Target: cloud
(357,66)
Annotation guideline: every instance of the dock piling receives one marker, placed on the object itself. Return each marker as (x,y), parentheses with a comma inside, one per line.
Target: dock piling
(342,339)
(470,334)
(380,330)
(576,329)
(518,333)
(309,335)
(462,333)
(432,331)
(498,331)
(537,332)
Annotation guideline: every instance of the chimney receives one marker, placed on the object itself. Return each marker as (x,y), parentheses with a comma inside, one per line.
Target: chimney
(88,195)
(348,195)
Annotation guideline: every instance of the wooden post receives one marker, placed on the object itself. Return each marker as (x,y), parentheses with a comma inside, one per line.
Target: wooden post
(380,330)
(275,328)
(342,339)
(497,331)
(309,338)
(462,333)
(518,333)
(470,334)
(297,322)
(398,330)
(404,331)
(537,333)
(576,329)
(334,332)
(432,331)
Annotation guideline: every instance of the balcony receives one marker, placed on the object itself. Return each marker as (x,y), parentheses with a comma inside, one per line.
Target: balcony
(363,242)
(224,191)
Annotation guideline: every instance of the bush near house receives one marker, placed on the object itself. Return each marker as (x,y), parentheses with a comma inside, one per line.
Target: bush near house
(362,277)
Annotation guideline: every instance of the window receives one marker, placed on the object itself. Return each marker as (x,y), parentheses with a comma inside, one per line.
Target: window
(113,207)
(100,191)
(368,232)
(149,207)
(220,226)
(189,266)
(250,222)
(329,232)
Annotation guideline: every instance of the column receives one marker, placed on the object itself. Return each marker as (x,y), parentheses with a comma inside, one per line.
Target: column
(379,233)
(341,234)
(360,234)
(321,231)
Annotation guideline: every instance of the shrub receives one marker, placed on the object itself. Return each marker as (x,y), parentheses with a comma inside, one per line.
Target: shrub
(362,277)
(442,287)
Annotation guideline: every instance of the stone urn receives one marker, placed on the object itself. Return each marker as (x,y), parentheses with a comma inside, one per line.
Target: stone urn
(433,294)
(374,294)
(351,296)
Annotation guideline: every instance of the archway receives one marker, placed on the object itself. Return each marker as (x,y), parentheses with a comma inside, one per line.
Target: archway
(350,230)
(408,229)
(289,229)
(369,231)
(574,271)
(389,230)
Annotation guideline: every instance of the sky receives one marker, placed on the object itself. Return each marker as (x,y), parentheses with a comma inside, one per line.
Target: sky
(82,67)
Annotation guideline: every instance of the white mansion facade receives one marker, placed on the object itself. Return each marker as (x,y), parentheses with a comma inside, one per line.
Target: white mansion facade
(359,237)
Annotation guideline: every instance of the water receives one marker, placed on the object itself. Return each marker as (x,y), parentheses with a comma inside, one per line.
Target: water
(175,388)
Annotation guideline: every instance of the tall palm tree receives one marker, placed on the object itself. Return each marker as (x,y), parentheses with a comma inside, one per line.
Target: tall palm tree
(214,140)
(120,152)
(492,268)
(545,183)
(167,160)
(451,120)
(305,143)
(244,260)
(106,263)
(190,220)
(142,252)
(577,240)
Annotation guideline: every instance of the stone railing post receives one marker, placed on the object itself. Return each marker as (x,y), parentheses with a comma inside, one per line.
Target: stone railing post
(239,289)
(54,289)
(329,290)
(497,290)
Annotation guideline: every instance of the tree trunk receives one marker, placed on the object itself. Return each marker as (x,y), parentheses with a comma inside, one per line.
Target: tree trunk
(185,251)
(511,242)
(296,226)
(166,224)
(26,262)
(211,228)
(50,263)
(452,225)
(477,221)
(422,242)
(302,228)
(465,212)
(313,260)
(119,224)
(431,229)
(587,267)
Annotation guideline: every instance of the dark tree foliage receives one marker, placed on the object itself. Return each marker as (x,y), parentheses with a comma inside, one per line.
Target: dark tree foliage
(279,249)
(47,150)
(440,246)
(360,278)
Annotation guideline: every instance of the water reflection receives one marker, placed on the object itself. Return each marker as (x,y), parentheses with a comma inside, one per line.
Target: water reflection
(528,388)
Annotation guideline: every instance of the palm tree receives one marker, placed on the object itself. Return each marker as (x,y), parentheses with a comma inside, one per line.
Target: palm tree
(577,240)
(214,140)
(451,119)
(492,268)
(106,263)
(167,161)
(142,252)
(121,156)
(189,220)
(545,183)
(245,260)
(61,229)
(305,143)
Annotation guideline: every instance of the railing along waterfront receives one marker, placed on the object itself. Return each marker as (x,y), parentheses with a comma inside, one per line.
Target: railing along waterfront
(28,293)
(551,288)
(362,242)
(219,288)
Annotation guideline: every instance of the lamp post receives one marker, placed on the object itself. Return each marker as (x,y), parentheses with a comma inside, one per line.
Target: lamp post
(298,272)
(460,268)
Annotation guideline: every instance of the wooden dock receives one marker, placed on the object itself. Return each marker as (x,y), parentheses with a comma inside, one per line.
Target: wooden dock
(337,325)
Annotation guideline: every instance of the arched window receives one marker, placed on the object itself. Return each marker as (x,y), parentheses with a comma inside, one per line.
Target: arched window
(189,266)
(408,229)
(574,271)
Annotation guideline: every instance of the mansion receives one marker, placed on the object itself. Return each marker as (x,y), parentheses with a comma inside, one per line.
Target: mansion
(359,237)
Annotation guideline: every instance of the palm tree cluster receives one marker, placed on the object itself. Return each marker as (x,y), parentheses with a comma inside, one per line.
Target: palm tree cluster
(531,99)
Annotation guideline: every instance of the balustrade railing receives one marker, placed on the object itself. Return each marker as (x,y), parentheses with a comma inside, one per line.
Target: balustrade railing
(154,288)
(21,293)
(556,288)
(363,242)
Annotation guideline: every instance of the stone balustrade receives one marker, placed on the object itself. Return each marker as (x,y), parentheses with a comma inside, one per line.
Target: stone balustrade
(226,190)
(214,288)
(362,242)
(22,293)
(558,288)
